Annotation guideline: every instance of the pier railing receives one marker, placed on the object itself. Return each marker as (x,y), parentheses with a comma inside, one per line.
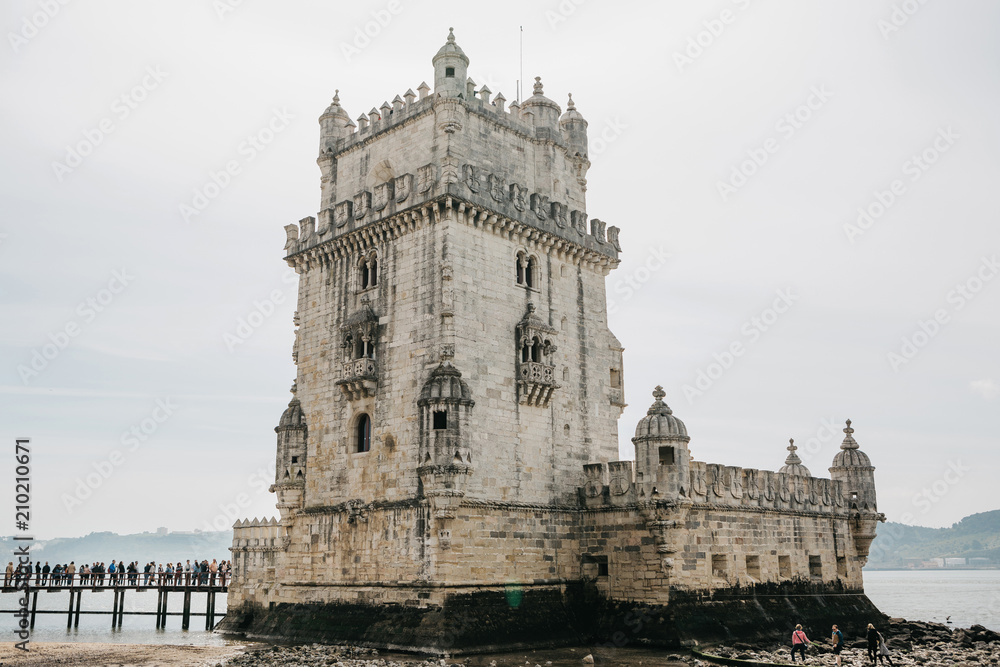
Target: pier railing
(163,583)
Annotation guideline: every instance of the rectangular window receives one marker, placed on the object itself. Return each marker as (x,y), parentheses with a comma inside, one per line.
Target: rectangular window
(719,562)
(815,568)
(784,567)
(666,455)
(449,71)
(594,566)
(753,567)
(616,378)
(295,459)
(841,566)
(440,420)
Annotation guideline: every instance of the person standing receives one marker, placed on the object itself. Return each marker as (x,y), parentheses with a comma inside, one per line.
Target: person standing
(70,571)
(883,650)
(872,637)
(799,642)
(38,572)
(838,643)
(45,572)
(9,575)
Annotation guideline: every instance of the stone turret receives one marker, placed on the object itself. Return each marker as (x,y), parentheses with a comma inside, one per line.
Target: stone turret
(543,111)
(854,469)
(290,462)
(662,457)
(451,69)
(334,124)
(574,130)
(793,464)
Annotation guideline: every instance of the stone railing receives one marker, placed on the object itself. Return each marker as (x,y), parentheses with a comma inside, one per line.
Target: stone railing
(360,378)
(535,383)
(714,483)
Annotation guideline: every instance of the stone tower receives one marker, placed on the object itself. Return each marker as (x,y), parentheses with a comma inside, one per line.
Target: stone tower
(445,469)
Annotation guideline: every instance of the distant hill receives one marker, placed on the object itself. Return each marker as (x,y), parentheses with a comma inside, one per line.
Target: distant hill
(141,547)
(975,536)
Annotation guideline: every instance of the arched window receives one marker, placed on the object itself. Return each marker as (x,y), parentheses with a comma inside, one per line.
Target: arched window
(536,349)
(529,272)
(364,433)
(368,271)
(526,352)
(520,268)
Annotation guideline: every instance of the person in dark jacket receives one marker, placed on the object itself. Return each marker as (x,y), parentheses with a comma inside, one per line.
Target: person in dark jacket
(872,643)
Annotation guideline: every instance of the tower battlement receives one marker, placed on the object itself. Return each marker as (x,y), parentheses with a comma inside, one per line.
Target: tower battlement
(526,164)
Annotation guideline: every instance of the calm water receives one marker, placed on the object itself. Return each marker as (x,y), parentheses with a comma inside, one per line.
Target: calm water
(134,630)
(967,596)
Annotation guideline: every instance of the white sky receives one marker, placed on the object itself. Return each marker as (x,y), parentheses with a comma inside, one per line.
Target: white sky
(673,131)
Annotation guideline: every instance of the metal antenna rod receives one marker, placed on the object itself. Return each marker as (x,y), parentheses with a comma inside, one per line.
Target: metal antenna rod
(520,74)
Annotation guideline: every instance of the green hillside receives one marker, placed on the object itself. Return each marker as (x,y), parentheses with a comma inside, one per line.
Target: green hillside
(976,536)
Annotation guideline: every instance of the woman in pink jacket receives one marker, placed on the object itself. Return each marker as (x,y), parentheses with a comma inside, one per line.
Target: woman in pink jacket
(799,642)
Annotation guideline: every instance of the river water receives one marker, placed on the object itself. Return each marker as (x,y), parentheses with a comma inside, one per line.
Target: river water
(966,596)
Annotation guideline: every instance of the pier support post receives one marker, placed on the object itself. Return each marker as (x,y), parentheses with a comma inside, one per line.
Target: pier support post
(159,606)
(114,609)
(208,610)
(121,608)
(69,616)
(76,617)
(186,623)
(163,613)
(34,607)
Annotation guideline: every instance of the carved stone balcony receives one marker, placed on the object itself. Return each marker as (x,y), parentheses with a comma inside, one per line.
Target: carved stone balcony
(535,383)
(360,378)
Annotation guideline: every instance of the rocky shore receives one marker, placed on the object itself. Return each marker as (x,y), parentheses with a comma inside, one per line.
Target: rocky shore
(910,643)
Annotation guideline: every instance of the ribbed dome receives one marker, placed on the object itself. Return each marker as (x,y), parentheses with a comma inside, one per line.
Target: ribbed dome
(793,464)
(445,385)
(538,99)
(451,48)
(336,110)
(292,417)
(571,113)
(659,422)
(850,456)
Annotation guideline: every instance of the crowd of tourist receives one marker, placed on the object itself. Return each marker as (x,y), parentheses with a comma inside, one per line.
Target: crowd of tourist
(118,573)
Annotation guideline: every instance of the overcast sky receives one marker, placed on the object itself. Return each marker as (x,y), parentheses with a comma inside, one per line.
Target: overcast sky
(733,142)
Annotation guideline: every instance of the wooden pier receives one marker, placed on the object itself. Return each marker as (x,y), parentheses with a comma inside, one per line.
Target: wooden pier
(186,585)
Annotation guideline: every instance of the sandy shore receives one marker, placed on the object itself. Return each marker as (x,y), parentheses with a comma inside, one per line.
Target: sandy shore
(117,655)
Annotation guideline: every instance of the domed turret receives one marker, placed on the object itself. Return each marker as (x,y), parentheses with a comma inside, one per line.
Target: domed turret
(290,463)
(854,470)
(451,68)
(574,130)
(662,458)
(793,464)
(334,124)
(660,422)
(850,455)
(544,111)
